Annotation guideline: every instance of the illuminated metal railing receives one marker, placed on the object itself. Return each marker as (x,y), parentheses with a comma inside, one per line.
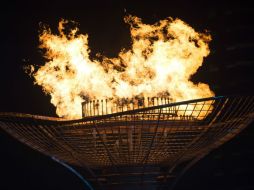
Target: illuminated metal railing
(109,106)
(191,110)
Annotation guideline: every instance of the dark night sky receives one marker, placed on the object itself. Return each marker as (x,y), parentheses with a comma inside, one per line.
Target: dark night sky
(229,69)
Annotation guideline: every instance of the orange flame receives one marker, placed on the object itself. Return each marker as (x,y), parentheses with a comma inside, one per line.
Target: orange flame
(160,62)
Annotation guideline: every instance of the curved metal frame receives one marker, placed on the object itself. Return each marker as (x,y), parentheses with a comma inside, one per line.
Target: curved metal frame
(136,143)
(85,182)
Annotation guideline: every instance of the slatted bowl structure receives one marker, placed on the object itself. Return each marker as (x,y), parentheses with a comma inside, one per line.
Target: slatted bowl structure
(148,143)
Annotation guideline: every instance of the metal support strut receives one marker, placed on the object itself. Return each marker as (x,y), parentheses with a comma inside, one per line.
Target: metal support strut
(86,183)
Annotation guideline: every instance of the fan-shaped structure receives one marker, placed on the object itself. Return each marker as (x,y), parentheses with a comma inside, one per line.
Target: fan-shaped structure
(149,146)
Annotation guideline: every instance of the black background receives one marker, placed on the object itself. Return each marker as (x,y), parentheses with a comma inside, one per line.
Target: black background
(229,69)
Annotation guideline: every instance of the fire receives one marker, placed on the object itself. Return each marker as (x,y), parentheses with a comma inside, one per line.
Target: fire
(160,63)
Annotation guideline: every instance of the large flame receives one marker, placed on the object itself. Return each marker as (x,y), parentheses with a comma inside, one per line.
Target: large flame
(162,58)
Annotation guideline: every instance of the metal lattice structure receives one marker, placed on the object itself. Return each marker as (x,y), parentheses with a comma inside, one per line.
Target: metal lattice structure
(149,146)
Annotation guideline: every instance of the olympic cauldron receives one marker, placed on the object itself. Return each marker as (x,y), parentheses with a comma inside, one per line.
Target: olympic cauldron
(149,142)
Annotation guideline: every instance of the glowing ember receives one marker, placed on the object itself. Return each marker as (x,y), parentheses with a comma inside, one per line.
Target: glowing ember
(160,63)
